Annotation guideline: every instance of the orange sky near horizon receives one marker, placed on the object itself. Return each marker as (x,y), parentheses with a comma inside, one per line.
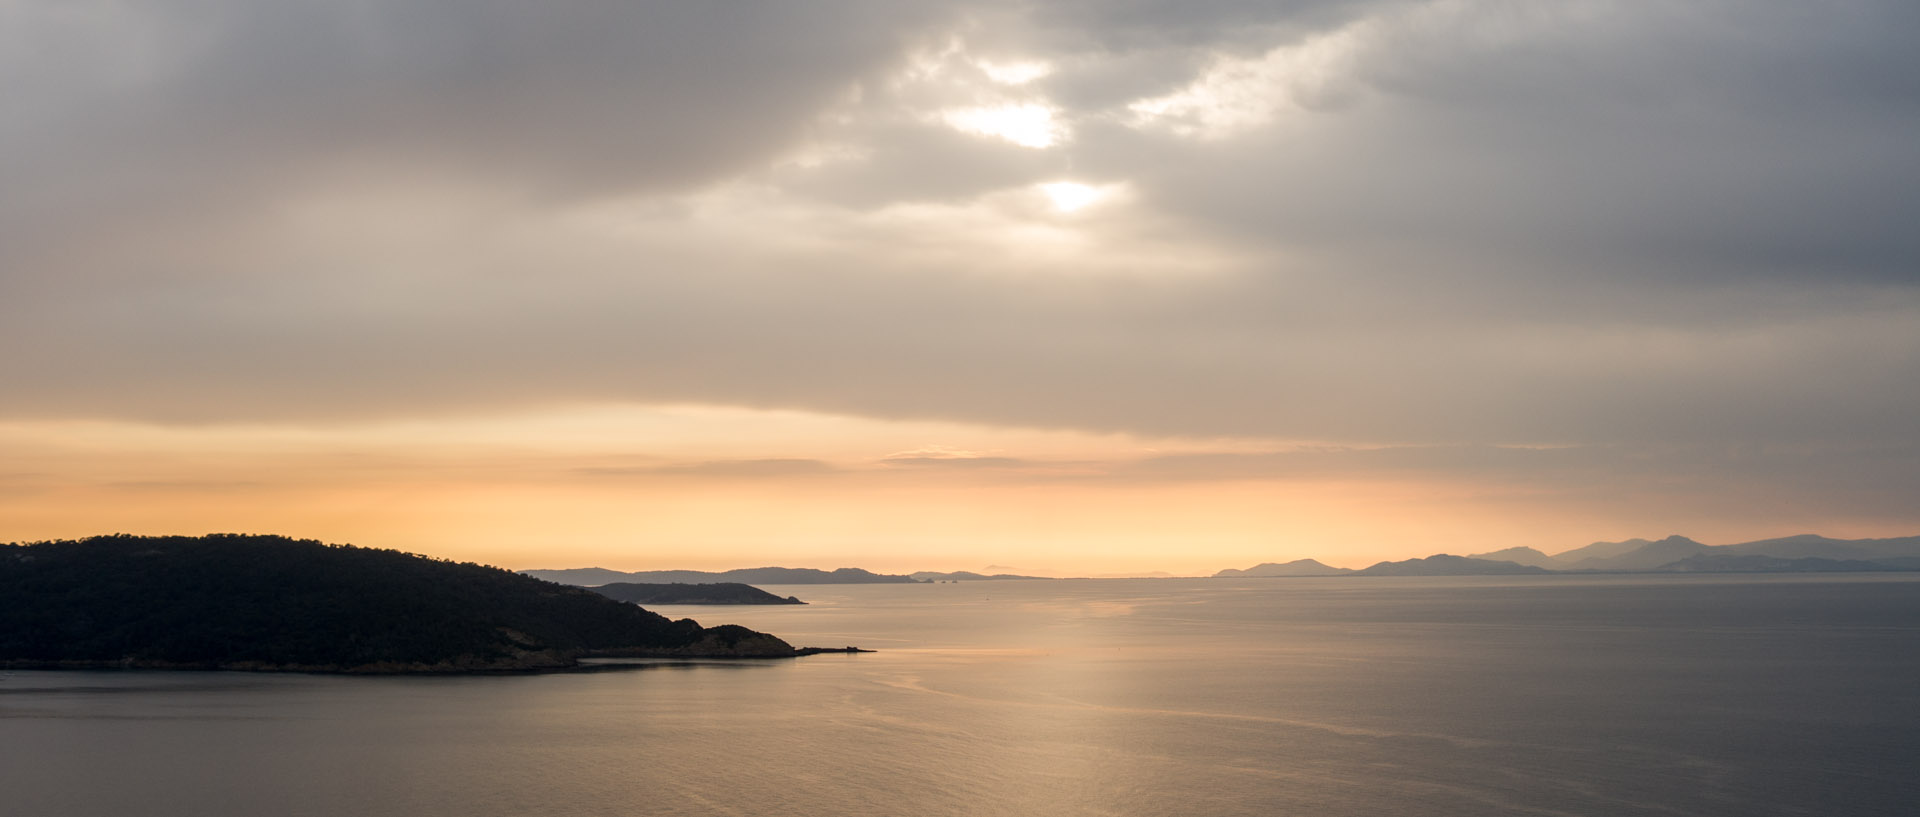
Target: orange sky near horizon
(695,487)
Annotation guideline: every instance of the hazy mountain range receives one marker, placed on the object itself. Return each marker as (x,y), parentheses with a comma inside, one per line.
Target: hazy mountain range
(1805,553)
(1298,567)
(968,576)
(596,576)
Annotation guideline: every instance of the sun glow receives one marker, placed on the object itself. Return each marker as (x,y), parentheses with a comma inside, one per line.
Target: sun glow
(1028,125)
(1014,73)
(1068,197)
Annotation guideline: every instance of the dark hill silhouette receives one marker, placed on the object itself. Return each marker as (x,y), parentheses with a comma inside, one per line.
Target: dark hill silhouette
(722,593)
(233,601)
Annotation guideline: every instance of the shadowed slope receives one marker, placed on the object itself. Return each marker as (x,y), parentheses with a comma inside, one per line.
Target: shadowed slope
(268,602)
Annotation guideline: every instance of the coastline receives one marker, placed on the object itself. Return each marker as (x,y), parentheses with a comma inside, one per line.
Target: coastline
(596,661)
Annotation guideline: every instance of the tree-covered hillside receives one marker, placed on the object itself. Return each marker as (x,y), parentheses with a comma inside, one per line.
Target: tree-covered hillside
(269,602)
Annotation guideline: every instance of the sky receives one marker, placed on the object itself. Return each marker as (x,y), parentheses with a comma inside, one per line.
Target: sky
(1064,288)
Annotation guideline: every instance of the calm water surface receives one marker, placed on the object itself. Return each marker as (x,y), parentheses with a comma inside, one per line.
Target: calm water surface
(1715,695)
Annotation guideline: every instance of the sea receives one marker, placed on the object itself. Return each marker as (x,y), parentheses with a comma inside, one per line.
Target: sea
(1665,696)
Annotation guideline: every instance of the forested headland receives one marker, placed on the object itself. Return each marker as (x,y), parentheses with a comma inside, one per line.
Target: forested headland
(233,601)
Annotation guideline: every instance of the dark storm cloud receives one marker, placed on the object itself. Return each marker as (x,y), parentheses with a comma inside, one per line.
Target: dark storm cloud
(1703,141)
(1487,222)
(129,114)
(567,95)
(1207,24)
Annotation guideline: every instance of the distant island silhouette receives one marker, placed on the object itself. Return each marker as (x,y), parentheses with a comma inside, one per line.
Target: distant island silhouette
(970,576)
(1442,564)
(271,603)
(676,593)
(596,576)
(1297,567)
(1804,553)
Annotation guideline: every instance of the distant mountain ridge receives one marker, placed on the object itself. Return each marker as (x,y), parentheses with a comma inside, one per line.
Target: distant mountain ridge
(1650,556)
(1297,567)
(970,576)
(1809,545)
(596,576)
(1732,563)
(1599,550)
(1671,554)
(1802,553)
(1517,555)
(1668,553)
(1441,564)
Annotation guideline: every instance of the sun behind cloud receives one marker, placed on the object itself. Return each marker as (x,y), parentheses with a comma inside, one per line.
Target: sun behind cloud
(1029,125)
(1068,197)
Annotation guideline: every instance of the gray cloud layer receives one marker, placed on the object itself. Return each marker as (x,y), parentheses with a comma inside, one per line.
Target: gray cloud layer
(1458,222)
